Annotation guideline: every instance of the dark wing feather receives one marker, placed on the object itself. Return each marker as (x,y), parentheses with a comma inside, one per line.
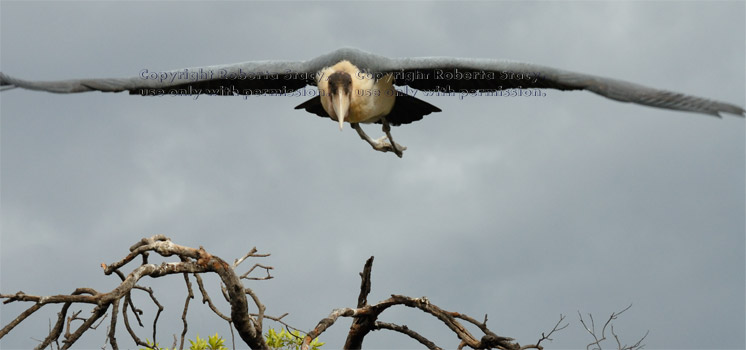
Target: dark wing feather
(314,106)
(408,109)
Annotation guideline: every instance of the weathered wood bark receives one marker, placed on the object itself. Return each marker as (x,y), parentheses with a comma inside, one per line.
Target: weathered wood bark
(192,261)
(362,325)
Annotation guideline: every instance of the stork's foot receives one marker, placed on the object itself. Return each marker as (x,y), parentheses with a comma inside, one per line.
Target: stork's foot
(384,145)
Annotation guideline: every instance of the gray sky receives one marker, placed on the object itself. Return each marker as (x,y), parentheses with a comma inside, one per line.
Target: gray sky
(521,208)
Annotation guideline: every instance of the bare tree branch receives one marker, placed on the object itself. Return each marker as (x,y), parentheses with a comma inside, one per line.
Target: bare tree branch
(155,301)
(127,300)
(251,253)
(18,319)
(98,311)
(266,269)
(249,325)
(240,260)
(326,323)
(206,299)
(547,336)
(405,330)
(600,338)
(189,297)
(361,326)
(113,325)
(192,261)
(365,319)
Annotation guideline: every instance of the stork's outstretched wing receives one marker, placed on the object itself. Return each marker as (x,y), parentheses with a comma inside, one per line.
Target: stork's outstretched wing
(441,74)
(241,78)
(246,78)
(446,74)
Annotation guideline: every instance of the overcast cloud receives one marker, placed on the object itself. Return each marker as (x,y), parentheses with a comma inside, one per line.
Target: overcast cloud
(521,208)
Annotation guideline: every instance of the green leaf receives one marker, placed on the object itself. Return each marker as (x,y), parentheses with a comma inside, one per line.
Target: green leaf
(198,344)
(288,340)
(151,346)
(216,342)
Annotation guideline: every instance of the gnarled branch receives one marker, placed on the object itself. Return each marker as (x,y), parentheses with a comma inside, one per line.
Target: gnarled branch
(600,338)
(365,320)
(192,261)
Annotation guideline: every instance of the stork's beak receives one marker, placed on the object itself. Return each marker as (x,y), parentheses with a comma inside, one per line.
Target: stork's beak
(341,105)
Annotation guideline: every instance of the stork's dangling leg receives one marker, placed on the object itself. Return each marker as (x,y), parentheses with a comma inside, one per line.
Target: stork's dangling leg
(365,136)
(382,144)
(398,149)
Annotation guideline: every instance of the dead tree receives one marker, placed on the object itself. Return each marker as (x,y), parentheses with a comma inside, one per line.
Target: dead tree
(248,324)
(366,320)
(194,261)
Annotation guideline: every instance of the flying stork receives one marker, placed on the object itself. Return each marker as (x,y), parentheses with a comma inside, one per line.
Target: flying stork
(355,86)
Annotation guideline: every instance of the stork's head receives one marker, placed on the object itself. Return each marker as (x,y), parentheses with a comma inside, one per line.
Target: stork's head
(340,94)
